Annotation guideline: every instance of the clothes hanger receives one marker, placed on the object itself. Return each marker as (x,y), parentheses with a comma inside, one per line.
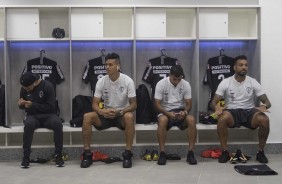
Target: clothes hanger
(221,55)
(103,55)
(221,52)
(163,56)
(42,55)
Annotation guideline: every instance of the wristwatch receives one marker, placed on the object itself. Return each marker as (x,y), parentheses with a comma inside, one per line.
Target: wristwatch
(121,112)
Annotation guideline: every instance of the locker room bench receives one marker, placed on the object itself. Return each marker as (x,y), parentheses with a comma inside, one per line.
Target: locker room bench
(14,133)
(145,135)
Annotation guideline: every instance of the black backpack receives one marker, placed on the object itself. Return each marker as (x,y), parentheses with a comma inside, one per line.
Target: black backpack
(80,105)
(144,105)
(58,33)
(2,104)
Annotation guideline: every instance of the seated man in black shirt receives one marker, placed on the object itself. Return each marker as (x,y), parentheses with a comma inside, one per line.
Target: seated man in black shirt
(37,97)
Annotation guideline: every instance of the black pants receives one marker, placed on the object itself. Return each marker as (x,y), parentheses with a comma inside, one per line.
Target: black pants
(50,121)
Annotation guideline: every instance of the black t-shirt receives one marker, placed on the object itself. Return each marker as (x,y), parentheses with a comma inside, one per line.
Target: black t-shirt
(42,98)
(94,70)
(48,70)
(218,68)
(157,70)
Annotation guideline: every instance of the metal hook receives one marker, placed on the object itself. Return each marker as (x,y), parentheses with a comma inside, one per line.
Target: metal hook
(102,52)
(162,51)
(221,51)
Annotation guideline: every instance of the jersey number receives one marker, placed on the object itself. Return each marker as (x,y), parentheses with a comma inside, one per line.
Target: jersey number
(163,75)
(220,77)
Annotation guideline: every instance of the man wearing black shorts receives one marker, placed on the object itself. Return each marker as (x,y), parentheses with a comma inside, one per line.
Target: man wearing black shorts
(118,92)
(239,91)
(173,101)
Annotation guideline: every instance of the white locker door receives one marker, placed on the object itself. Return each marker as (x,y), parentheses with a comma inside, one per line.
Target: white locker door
(23,23)
(213,23)
(150,23)
(87,23)
(1,24)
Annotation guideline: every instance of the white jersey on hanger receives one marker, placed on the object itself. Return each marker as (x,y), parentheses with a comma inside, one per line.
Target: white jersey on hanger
(115,94)
(239,95)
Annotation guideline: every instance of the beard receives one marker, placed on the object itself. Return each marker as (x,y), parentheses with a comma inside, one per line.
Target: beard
(242,73)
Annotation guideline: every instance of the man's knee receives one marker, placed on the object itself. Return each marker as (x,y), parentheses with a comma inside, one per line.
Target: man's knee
(88,118)
(191,121)
(262,119)
(128,117)
(162,121)
(29,124)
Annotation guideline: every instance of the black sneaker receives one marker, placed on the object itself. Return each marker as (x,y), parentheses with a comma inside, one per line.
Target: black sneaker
(224,157)
(86,159)
(191,158)
(162,158)
(127,155)
(59,160)
(25,162)
(241,157)
(261,157)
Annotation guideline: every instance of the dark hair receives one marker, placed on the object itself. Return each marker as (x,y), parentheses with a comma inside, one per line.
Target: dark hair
(176,71)
(240,57)
(112,56)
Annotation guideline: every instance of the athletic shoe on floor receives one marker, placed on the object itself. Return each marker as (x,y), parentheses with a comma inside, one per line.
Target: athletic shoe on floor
(241,157)
(127,162)
(233,159)
(59,160)
(162,158)
(261,157)
(155,155)
(147,155)
(216,153)
(206,153)
(224,157)
(99,156)
(191,158)
(25,162)
(86,159)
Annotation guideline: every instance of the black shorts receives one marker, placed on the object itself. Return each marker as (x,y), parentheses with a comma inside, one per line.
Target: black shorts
(242,117)
(107,123)
(180,124)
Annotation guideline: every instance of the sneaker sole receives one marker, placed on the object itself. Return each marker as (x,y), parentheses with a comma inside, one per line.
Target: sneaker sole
(25,167)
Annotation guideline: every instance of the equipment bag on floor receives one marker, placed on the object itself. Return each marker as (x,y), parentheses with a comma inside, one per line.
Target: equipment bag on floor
(254,170)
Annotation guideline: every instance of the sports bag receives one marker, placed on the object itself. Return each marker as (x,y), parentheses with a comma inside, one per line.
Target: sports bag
(261,169)
(58,33)
(80,105)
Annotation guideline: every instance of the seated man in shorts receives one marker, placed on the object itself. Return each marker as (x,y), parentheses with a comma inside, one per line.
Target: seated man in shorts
(239,91)
(119,96)
(173,101)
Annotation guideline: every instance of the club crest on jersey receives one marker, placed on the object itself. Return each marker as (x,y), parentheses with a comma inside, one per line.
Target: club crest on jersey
(40,94)
(121,89)
(248,89)
(180,90)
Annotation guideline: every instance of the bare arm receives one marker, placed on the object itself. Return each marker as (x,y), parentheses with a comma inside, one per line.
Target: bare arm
(132,105)
(214,104)
(160,109)
(187,109)
(265,103)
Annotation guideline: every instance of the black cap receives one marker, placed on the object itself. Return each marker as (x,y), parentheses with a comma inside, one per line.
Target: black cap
(27,79)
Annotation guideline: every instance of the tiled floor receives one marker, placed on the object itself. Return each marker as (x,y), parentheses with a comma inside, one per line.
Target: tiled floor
(208,171)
